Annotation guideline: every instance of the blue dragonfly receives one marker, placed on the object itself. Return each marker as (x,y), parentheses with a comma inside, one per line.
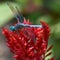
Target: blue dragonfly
(20,19)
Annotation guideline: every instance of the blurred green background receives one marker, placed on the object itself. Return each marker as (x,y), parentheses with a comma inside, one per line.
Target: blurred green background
(35,10)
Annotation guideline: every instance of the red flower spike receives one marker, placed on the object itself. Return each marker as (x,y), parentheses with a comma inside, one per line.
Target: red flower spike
(25,21)
(46,30)
(28,43)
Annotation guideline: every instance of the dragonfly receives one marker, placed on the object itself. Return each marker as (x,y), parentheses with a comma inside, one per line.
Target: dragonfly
(20,19)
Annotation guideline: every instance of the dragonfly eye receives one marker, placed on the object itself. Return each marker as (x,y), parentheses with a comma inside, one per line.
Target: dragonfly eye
(12,28)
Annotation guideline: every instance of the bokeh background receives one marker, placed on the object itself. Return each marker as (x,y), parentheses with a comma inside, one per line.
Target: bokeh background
(35,10)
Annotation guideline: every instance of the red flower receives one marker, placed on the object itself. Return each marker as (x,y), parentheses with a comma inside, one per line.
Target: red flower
(28,43)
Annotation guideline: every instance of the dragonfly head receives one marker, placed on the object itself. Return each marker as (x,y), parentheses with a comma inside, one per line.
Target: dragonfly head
(12,28)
